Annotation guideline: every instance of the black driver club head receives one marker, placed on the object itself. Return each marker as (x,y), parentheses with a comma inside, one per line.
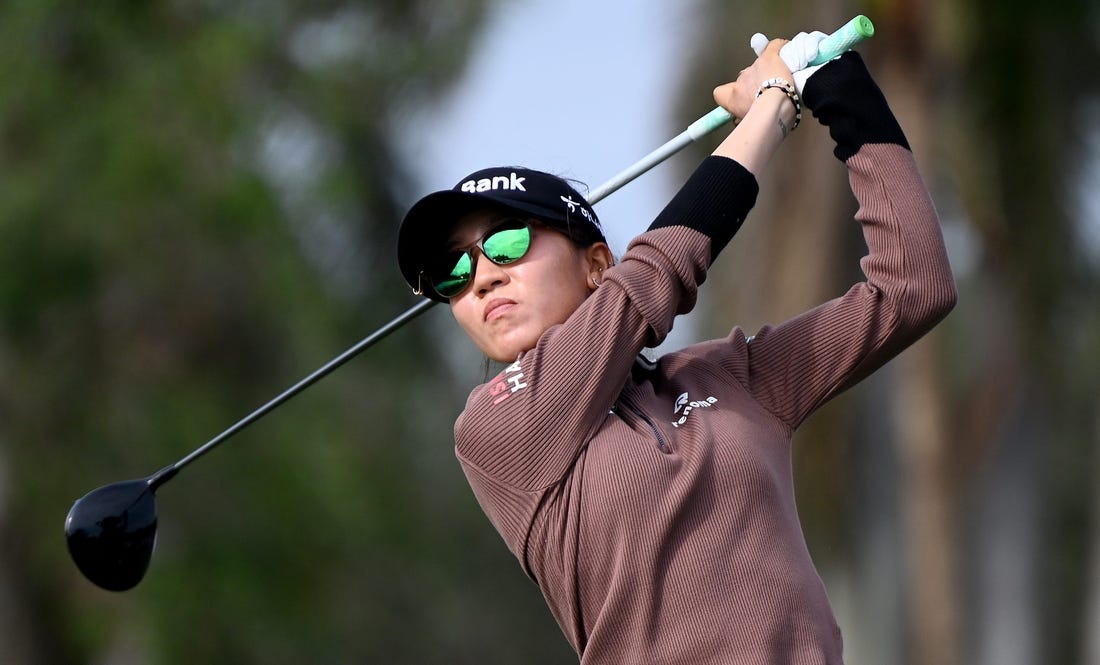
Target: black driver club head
(111,532)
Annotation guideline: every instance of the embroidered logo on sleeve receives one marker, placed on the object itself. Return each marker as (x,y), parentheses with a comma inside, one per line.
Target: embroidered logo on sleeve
(684,402)
(507,383)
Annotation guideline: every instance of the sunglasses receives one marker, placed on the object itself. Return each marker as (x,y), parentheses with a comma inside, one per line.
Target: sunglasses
(505,243)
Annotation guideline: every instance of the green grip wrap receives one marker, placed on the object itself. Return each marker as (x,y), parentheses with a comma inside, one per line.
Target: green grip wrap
(708,123)
(850,34)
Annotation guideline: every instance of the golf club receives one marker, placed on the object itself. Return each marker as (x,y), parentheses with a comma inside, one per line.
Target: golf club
(111,531)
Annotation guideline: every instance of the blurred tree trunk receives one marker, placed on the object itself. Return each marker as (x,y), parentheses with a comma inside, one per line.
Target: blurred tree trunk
(1090,624)
(14,630)
(1013,150)
(919,390)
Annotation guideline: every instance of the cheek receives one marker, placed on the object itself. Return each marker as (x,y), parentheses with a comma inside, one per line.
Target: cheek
(464,314)
(569,292)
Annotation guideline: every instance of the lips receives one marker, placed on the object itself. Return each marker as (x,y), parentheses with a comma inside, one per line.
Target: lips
(497,307)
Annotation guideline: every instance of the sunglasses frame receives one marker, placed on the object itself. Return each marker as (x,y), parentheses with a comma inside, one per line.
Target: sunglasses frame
(468,251)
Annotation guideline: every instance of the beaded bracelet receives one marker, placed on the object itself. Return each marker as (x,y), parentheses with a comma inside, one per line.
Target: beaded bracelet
(789,90)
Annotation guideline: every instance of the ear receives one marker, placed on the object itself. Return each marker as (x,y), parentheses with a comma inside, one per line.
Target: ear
(599,258)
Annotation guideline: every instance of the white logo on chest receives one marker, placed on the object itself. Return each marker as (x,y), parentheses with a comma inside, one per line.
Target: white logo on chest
(684,402)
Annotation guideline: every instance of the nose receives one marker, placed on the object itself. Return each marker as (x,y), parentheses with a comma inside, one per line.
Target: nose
(487,275)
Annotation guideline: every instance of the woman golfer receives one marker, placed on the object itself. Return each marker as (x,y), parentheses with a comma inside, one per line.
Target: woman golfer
(653,504)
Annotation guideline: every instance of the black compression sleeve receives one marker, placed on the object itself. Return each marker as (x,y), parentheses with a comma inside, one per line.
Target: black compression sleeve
(844,97)
(714,201)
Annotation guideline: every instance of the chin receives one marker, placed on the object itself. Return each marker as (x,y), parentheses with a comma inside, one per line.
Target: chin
(508,350)
(507,355)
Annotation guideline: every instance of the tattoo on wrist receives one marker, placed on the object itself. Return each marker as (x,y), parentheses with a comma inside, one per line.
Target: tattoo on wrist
(783,127)
(788,89)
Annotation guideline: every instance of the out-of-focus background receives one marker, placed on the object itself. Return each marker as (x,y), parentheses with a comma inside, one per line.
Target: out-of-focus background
(198,206)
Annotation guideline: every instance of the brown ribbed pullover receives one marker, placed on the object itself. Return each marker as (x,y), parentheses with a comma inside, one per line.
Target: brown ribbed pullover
(654,506)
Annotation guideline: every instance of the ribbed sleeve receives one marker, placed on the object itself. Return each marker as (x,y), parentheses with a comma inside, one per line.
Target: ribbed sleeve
(795,367)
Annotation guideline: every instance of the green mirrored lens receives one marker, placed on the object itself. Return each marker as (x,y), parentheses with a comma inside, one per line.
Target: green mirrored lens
(456,280)
(507,245)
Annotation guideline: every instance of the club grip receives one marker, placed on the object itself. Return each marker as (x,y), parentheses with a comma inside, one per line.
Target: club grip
(850,34)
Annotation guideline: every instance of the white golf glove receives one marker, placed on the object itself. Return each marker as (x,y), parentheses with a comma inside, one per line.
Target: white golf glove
(797,54)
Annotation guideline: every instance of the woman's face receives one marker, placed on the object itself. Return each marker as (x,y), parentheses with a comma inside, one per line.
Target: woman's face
(505,309)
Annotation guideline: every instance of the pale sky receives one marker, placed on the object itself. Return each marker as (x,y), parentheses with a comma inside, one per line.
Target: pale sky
(576,88)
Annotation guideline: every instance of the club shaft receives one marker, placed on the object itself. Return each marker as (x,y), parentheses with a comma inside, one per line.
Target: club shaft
(851,33)
(855,31)
(643,165)
(316,376)
(638,168)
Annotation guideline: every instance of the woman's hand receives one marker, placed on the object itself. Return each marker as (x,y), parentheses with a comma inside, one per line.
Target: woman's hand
(737,97)
(797,53)
(763,122)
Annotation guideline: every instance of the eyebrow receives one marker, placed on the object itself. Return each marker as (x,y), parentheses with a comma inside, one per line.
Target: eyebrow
(453,243)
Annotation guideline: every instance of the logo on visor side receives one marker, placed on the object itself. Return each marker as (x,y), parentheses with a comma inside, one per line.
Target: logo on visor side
(510,182)
(573,205)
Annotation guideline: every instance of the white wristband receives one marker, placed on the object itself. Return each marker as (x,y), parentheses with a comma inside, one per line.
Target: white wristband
(788,88)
